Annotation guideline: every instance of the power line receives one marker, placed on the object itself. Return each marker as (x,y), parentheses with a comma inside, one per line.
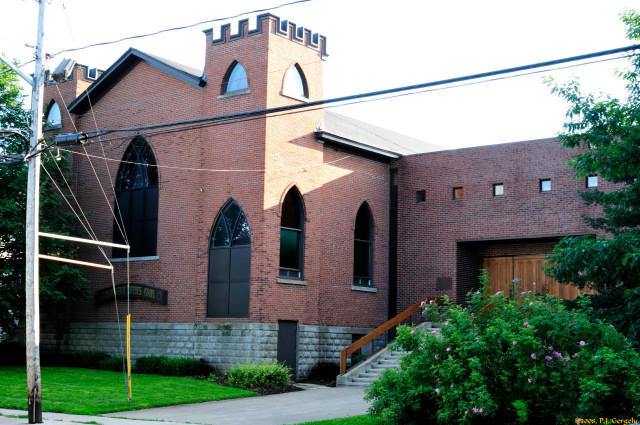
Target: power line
(393,91)
(134,37)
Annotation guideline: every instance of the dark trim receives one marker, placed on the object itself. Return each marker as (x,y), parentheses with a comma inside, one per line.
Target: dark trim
(349,145)
(119,70)
(521,238)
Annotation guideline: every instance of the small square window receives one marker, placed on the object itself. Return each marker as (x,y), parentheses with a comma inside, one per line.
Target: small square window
(545,185)
(498,189)
(421,196)
(592,181)
(457,193)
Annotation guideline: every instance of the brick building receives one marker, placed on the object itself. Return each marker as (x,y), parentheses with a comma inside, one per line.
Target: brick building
(280,235)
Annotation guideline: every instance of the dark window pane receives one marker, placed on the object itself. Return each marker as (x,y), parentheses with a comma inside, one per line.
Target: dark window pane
(239,299)
(221,236)
(290,249)
(219,265)
(218,300)
(291,208)
(242,233)
(137,204)
(151,203)
(362,259)
(363,224)
(231,213)
(239,269)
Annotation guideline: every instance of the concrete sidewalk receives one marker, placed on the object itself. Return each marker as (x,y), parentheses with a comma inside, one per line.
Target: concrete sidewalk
(314,404)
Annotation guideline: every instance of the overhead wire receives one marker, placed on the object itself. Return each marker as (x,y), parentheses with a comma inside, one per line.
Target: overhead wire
(134,37)
(397,91)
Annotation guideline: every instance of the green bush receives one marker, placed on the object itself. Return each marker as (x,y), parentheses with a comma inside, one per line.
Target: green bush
(170,366)
(265,374)
(114,364)
(525,359)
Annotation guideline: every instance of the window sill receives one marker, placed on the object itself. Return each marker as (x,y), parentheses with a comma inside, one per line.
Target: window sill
(234,93)
(363,288)
(289,281)
(294,96)
(122,260)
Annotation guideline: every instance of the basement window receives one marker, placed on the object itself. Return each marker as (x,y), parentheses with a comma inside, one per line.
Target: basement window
(421,196)
(498,189)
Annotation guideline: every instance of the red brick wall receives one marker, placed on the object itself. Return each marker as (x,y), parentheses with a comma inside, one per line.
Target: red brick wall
(254,162)
(434,237)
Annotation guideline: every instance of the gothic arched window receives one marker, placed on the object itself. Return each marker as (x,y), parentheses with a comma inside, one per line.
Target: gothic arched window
(229,264)
(363,247)
(294,83)
(291,235)
(235,79)
(137,201)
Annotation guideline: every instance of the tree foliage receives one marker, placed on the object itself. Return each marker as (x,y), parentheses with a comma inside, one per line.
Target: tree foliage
(58,282)
(606,132)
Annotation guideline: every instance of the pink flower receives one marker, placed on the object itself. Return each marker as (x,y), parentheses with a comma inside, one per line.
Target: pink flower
(576,355)
(478,292)
(431,302)
(438,390)
(529,379)
(548,358)
(523,293)
(581,342)
(475,410)
(448,348)
(514,343)
(498,293)
(436,356)
(466,411)
(533,356)
(480,410)
(550,347)
(412,330)
(446,323)
(434,332)
(531,303)
(526,324)
(422,303)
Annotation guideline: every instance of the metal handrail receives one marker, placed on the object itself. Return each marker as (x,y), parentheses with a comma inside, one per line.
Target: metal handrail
(382,329)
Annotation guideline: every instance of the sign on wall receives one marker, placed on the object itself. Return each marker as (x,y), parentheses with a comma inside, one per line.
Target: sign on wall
(136,291)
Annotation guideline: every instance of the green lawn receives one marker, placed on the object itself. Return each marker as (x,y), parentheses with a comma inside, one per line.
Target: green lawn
(353,420)
(92,392)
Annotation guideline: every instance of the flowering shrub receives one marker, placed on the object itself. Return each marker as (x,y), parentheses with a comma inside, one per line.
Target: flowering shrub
(509,360)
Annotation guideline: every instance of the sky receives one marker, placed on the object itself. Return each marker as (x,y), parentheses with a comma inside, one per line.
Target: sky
(373,45)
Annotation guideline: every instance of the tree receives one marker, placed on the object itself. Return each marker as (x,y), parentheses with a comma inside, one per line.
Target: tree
(58,282)
(607,132)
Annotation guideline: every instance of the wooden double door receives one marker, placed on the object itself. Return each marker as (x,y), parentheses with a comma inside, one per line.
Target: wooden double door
(528,269)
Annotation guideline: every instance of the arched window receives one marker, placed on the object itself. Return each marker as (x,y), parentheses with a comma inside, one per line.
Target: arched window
(54,117)
(291,235)
(294,83)
(235,79)
(137,201)
(363,247)
(229,264)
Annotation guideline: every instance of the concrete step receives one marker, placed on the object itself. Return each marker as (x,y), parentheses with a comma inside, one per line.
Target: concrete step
(364,373)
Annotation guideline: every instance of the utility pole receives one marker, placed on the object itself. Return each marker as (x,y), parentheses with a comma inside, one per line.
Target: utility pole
(32,284)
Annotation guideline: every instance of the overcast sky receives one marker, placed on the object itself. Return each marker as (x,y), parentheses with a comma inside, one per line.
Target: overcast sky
(373,45)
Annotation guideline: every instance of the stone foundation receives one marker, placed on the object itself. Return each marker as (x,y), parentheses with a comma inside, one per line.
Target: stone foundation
(222,345)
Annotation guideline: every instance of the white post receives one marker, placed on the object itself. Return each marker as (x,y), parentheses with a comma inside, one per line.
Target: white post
(32,285)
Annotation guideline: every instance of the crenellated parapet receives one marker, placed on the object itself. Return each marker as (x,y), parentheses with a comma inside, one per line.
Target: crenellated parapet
(283,28)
